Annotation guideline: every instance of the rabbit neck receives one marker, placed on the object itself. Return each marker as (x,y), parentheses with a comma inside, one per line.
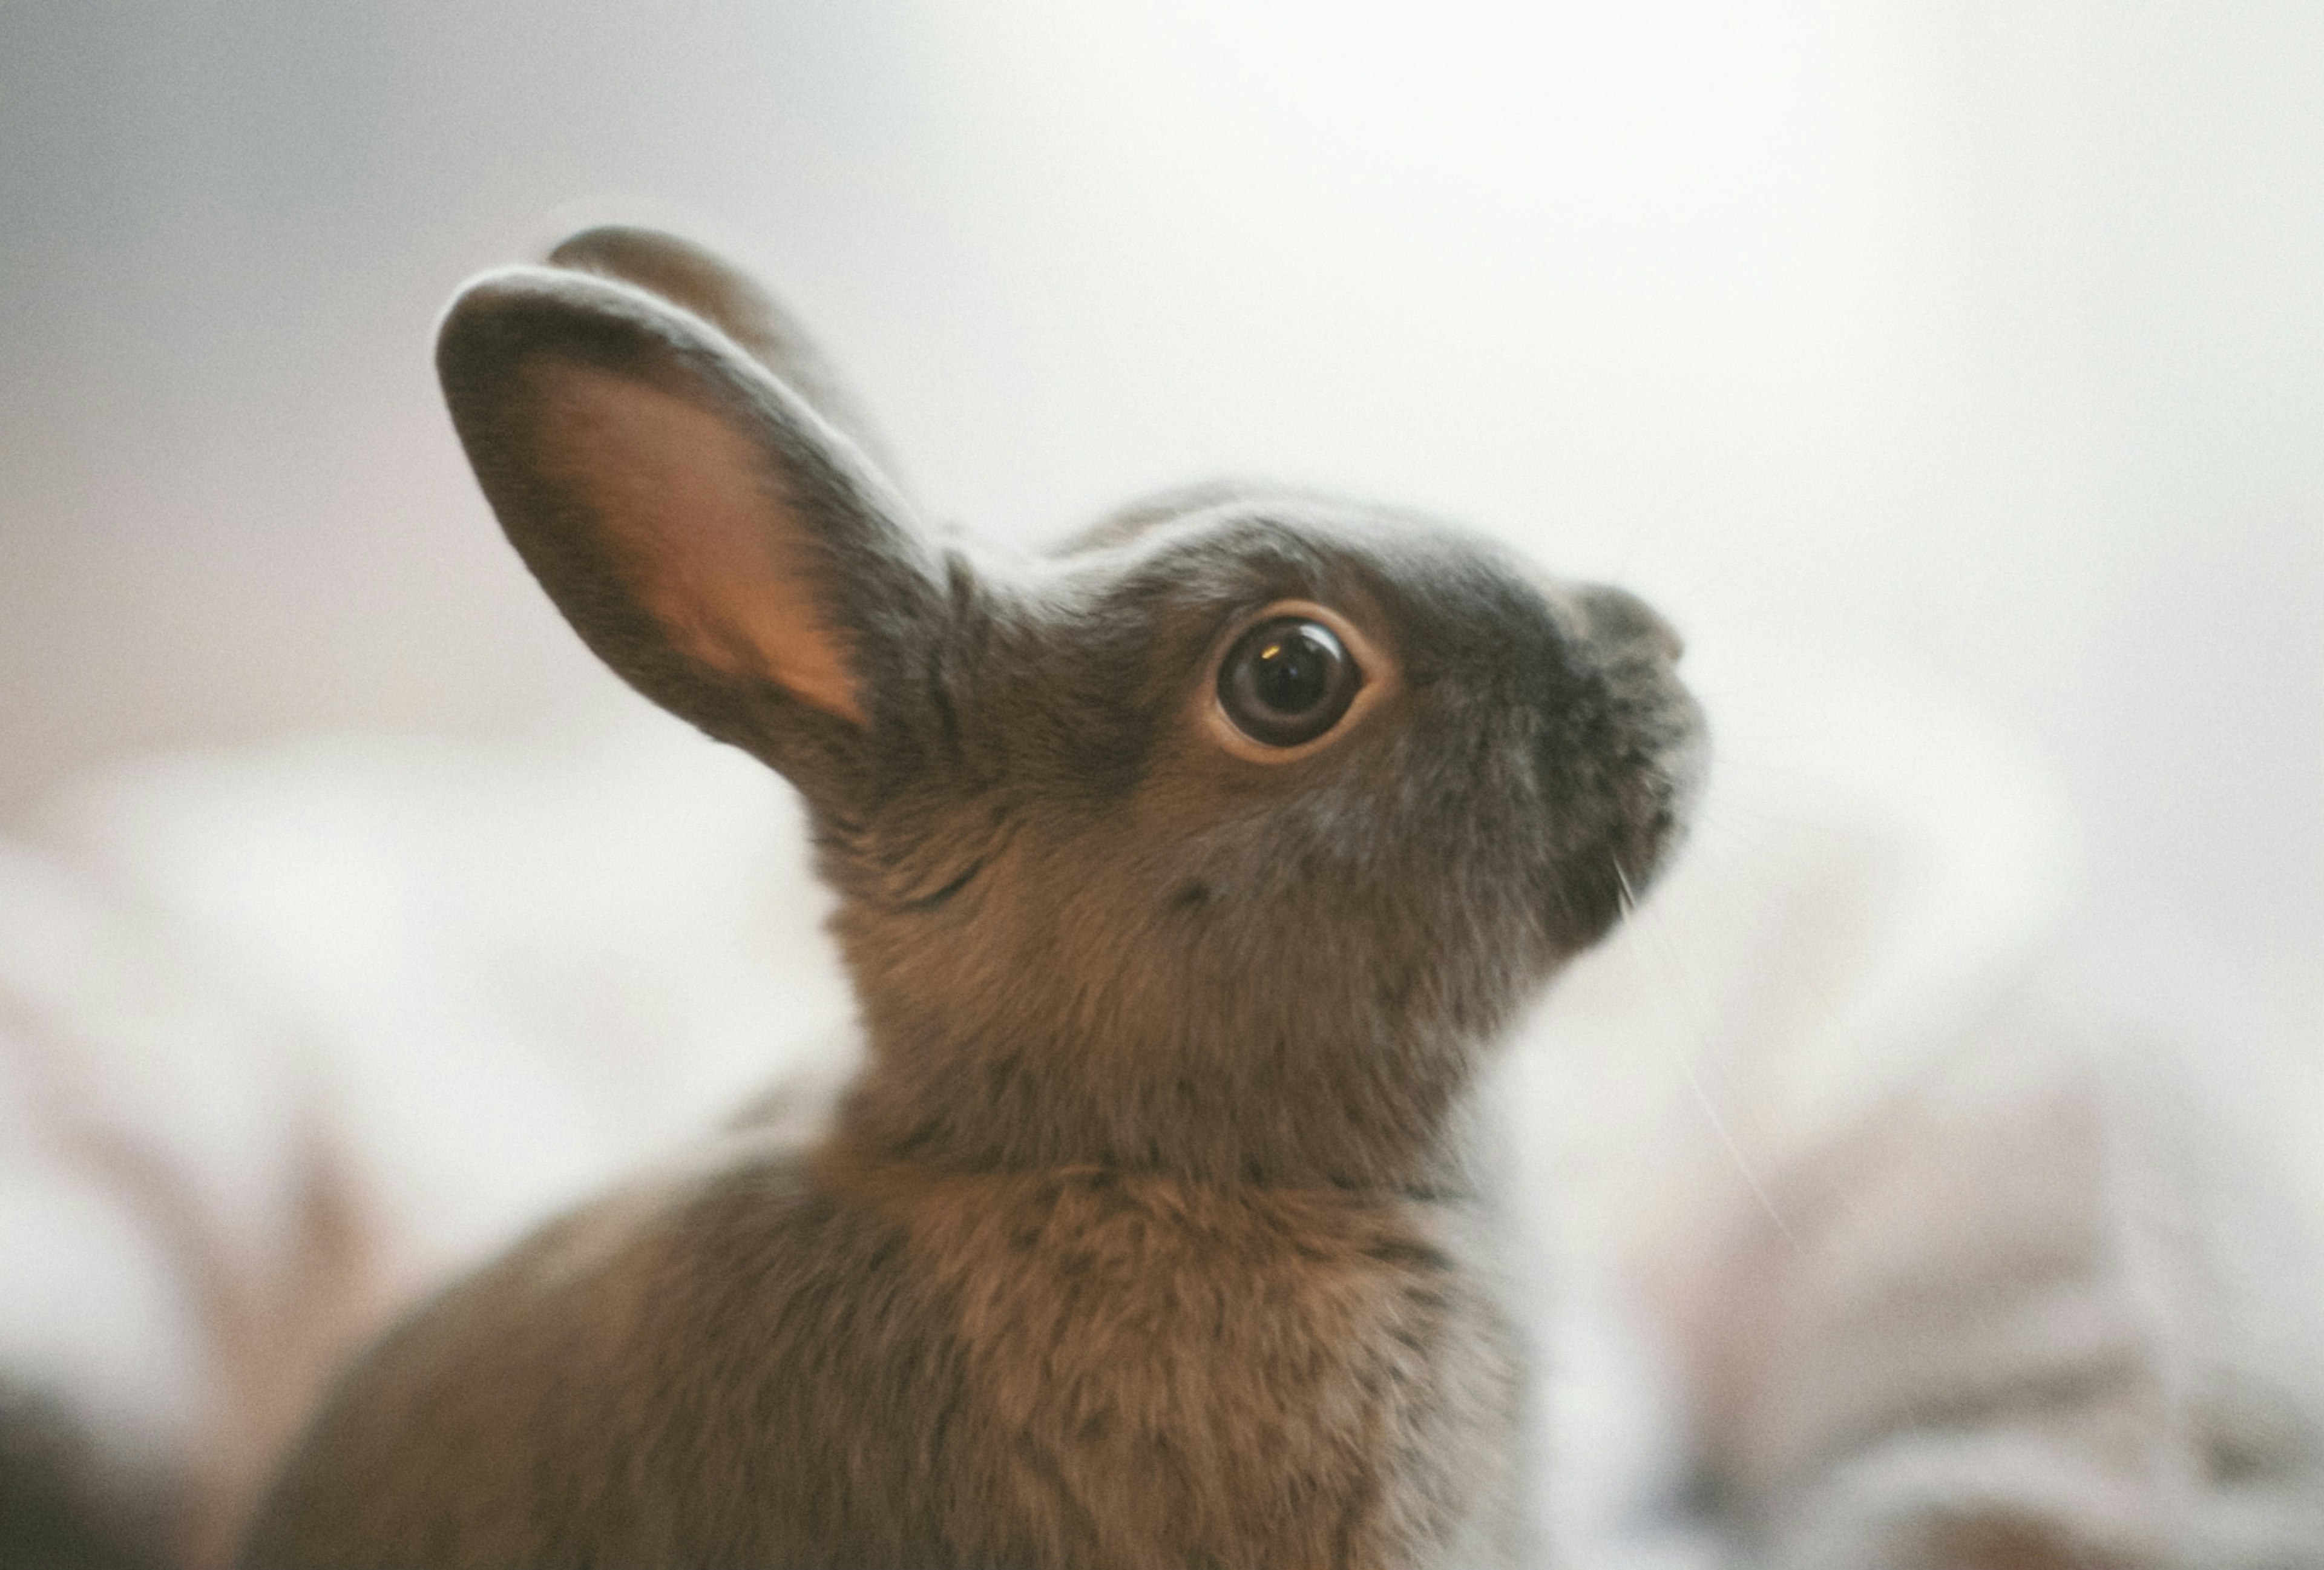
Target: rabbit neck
(1406,1122)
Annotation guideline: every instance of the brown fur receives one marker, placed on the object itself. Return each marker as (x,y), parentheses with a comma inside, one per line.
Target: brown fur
(1155,1233)
(1064,1368)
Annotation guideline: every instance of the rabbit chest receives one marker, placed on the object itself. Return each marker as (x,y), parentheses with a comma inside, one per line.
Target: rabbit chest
(1183,1374)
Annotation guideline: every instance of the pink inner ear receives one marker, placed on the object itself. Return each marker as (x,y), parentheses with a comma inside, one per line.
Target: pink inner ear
(700,531)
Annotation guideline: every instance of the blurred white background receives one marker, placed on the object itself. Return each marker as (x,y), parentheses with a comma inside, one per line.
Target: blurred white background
(1982,342)
(1952,374)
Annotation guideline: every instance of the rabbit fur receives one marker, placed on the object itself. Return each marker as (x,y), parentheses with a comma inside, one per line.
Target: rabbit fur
(1159,1228)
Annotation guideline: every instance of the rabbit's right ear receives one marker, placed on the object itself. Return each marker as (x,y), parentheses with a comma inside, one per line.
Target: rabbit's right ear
(705,530)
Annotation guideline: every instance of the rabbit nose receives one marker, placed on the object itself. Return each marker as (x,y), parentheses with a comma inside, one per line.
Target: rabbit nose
(1617,616)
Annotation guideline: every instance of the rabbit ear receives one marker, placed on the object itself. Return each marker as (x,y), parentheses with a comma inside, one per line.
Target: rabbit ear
(693,279)
(702,525)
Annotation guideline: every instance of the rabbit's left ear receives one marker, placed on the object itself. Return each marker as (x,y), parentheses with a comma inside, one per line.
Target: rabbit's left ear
(729,299)
(705,530)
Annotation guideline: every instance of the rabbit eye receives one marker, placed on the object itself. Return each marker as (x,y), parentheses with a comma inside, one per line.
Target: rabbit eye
(1286,681)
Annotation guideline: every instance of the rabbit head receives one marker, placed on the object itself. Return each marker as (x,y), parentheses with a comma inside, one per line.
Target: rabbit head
(1218,841)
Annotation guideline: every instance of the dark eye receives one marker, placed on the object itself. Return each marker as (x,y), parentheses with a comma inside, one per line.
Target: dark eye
(1287,681)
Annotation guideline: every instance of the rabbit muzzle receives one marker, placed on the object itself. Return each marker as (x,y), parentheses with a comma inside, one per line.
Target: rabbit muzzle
(1621,754)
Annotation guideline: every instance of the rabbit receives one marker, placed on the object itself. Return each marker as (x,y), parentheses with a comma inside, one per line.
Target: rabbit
(1187,876)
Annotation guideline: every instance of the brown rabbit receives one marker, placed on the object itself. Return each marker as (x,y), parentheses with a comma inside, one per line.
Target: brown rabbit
(1187,876)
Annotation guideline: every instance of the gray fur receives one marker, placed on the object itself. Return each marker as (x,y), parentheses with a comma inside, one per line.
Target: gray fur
(1152,1234)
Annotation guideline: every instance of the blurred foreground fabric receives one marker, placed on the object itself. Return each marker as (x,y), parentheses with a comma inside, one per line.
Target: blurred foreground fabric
(1864,1242)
